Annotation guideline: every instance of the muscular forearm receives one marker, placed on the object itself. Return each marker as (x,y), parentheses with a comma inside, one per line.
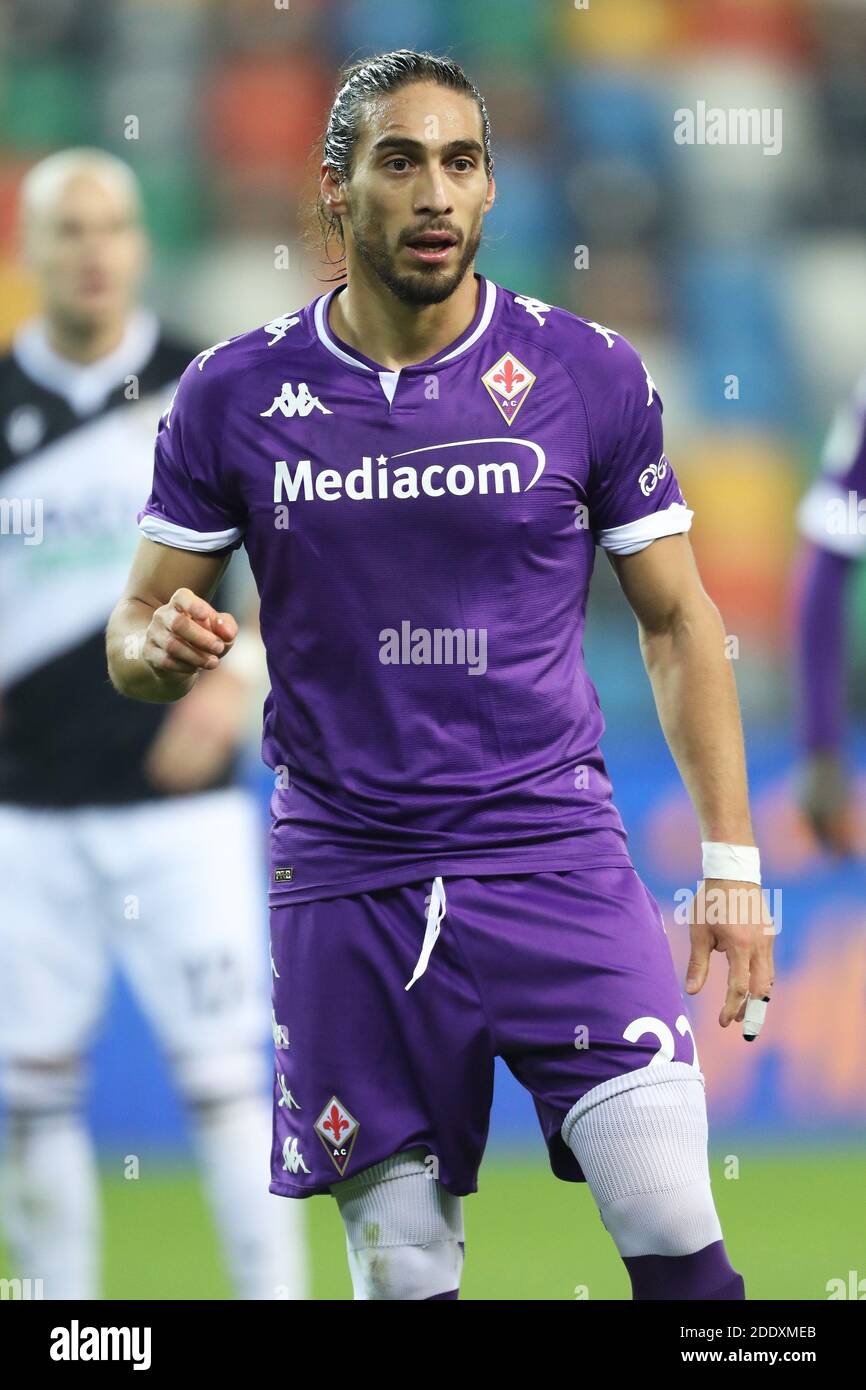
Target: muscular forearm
(130,674)
(696,699)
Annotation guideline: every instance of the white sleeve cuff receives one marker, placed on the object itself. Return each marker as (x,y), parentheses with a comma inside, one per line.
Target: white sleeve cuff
(156,528)
(637,535)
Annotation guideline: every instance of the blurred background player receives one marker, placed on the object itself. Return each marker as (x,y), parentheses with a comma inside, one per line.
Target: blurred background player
(832,518)
(123,834)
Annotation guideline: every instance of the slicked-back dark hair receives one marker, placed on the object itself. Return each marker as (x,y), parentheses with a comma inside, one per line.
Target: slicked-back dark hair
(363,81)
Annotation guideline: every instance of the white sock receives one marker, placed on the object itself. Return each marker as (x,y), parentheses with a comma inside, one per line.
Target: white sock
(641,1140)
(263,1236)
(404,1231)
(51,1210)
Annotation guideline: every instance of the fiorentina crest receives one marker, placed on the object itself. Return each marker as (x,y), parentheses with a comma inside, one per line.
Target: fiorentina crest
(338,1131)
(509,383)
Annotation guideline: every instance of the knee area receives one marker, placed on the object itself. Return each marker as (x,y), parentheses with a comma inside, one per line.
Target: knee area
(30,1088)
(205,1079)
(404,1231)
(641,1141)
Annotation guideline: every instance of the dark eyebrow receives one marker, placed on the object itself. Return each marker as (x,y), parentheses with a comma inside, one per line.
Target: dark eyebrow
(406,143)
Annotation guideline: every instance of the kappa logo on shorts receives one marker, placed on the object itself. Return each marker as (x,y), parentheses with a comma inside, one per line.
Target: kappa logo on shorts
(293,1159)
(283,875)
(338,1131)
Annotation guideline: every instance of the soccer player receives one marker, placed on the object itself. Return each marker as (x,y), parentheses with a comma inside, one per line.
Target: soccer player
(832,518)
(122,835)
(420,464)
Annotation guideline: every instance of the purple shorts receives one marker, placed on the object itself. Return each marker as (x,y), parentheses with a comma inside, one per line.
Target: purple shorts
(567,975)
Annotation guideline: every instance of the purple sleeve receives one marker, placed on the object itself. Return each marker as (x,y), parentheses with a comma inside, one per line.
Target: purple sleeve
(633,494)
(820,648)
(192,504)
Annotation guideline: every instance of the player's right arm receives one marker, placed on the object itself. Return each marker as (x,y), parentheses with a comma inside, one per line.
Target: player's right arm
(163,631)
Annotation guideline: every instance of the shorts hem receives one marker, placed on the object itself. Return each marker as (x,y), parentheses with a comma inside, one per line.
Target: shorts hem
(292,1189)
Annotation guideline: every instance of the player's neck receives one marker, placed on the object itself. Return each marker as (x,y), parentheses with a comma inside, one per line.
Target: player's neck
(371,319)
(84,344)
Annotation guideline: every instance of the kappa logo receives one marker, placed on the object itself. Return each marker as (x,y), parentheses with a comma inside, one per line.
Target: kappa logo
(280,1031)
(508,383)
(286,1097)
(338,1131)
(280,326)
(535,307)
(293,1159)
(609,334)
(167,416)
(651,386)
(290,404)
(209,352)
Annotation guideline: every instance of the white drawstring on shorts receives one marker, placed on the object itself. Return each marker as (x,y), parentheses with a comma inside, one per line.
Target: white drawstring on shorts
(435,913)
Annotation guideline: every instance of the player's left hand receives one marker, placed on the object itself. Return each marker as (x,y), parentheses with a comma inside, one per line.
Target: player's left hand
(732,917)
(199,735)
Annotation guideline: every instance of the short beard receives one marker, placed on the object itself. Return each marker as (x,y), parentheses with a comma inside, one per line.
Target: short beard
(428,286)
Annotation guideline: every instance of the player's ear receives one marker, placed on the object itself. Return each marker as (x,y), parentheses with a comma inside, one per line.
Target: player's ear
(332,192)
(491,194)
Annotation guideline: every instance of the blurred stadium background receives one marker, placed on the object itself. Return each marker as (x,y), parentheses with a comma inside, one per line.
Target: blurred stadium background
(717,263)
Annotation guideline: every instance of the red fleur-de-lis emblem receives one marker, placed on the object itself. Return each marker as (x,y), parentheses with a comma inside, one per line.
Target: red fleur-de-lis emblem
(335,1123)
(509,376)
(508,383)
(338,1129)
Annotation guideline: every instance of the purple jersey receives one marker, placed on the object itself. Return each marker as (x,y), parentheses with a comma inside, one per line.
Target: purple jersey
(423,541)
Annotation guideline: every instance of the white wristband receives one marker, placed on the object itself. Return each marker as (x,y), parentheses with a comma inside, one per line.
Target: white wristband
(740,862)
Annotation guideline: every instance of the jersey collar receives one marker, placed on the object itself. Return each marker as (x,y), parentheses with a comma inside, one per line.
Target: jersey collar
(352,358)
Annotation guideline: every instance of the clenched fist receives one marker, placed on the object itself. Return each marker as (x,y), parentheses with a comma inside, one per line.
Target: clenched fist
(186,635)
